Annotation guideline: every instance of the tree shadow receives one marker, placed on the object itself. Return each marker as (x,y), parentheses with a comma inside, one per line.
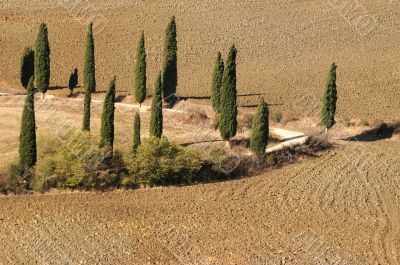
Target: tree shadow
(384,131)
(56,87)
(201,142)
(120,98)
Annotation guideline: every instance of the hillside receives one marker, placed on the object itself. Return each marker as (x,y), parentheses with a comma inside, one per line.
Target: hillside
(285,47)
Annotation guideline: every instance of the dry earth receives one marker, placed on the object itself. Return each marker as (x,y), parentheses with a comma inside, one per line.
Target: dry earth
(329,210)
(285,47)
(339,208)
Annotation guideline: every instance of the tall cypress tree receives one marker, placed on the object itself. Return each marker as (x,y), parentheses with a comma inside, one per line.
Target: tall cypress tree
(86,109)
(136,132)
(228,117)
(329,100)
(107,117)
(89,75)
(170,68)
(216,82)
(42,60)
(156,119)
(27,137)
(27,66)
(260,129)
(140,72)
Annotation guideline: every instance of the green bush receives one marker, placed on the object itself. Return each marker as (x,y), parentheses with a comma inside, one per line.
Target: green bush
(69,163)
(159,162)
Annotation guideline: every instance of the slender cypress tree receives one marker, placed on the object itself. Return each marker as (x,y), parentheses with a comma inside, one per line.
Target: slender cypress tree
(136,132)
(27,66)
(156,119)
(140,72)
(73,81)
(329,100)
(260,129)
(228,117)
(89,75)
(107,117)
(42,60)
(27,137)
(170,68)
(86,109)
(216,82)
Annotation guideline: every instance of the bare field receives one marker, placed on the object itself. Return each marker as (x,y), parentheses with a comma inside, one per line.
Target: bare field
(285,47)
(321,211)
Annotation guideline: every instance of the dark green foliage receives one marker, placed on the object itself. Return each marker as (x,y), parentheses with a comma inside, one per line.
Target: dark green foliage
(140,72)
(42,59)
(156,119)
(89,75)
(216,82)
(27,137)
(136,132)
(107,117)
(27,66)
(260,129)
(170,68)
(73,80)
(86,109)
(228,106)
(329,100)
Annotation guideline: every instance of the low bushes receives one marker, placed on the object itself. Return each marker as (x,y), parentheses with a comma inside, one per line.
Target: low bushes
(160,162)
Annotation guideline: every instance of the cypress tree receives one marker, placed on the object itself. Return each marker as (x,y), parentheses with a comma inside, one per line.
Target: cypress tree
(89,75)
(73,80)
(228,116)
(329,100)
(260,129)
(216,82)
(140,72)
(27,66)
(107,117)
(86,109)
(170,68)
(42,60)
(27,137)
(136,132)
(156,119)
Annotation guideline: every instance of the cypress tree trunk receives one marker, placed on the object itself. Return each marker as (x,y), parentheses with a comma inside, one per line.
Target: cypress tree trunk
(140,72)
(329,100)
(217,82)
(260,129)
(228,117)
(136,132)
(170,68)
(27,66)
(27,137)
(86,110)
(42,60)
(156,119)
(107,117)
(89,75)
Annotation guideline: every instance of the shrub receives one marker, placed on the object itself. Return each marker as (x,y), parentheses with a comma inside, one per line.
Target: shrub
(246,121)
(73,164)
(276,116)
(159,162)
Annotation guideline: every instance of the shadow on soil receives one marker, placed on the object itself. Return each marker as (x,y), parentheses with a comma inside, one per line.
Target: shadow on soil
(384,131)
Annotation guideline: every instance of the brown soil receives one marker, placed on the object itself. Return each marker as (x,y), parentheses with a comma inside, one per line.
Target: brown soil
(285,48)
(321,211)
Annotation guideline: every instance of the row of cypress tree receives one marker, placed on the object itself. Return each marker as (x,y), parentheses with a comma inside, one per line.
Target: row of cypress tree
(223,101)
(35,67)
